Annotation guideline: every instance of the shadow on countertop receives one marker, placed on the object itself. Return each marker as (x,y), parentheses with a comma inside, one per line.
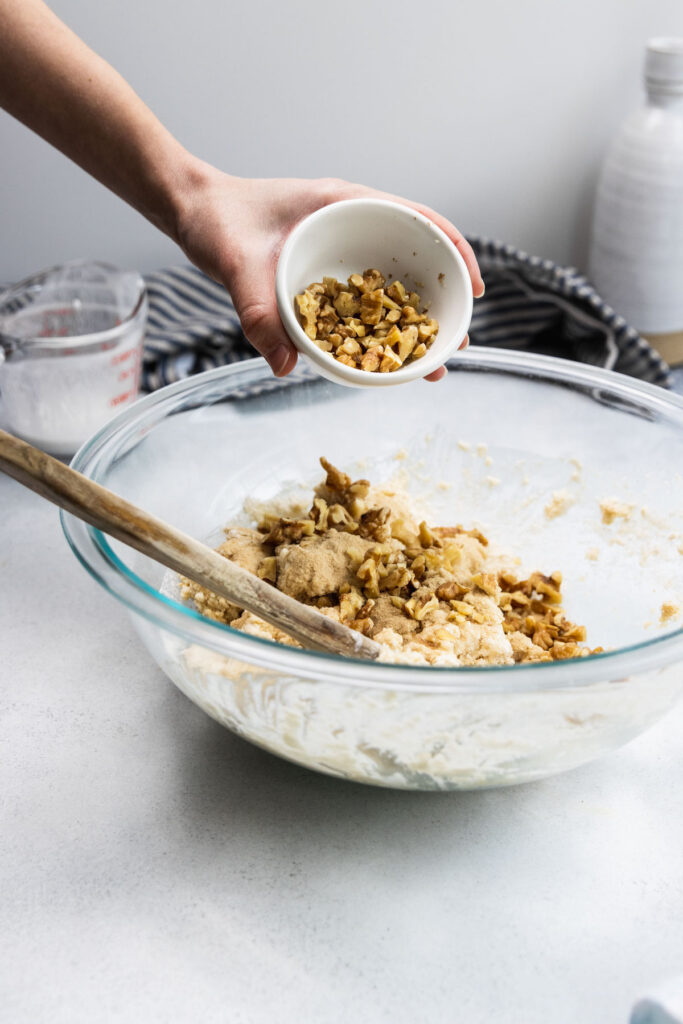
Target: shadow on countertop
(230,792)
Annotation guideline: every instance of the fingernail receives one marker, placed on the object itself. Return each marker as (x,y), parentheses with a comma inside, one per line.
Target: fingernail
(278,360)
(480,295)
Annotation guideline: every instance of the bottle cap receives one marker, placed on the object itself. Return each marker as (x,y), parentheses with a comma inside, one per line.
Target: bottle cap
(664,65)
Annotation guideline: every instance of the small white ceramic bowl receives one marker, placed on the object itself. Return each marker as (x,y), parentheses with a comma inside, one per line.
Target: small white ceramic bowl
(349,237)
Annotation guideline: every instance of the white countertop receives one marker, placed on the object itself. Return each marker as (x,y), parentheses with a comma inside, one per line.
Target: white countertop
(157,868)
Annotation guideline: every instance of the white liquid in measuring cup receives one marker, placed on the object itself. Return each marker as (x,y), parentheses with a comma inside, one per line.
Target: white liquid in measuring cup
(57,393)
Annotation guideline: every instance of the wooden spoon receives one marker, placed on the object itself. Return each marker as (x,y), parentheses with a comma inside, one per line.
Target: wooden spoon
(178,551)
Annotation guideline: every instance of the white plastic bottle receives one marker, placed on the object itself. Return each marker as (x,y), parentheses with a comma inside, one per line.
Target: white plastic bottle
(636,255)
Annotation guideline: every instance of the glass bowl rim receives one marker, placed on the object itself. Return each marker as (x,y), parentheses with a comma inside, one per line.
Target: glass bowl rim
(94,552)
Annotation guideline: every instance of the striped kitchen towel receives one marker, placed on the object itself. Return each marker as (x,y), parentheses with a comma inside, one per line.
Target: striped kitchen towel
(530,304)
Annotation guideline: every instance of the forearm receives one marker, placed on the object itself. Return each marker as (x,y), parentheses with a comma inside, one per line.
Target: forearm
(52,82)
(231,228)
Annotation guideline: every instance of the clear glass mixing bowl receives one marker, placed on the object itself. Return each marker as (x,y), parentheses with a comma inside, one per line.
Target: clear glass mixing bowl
(502,443)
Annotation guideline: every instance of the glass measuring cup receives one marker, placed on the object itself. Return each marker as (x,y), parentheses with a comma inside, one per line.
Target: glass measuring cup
(70,351)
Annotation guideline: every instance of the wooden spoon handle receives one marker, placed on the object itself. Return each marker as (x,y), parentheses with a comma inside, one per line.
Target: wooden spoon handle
(177,550)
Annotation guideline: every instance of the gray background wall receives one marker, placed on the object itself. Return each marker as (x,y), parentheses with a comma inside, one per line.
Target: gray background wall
(496,112)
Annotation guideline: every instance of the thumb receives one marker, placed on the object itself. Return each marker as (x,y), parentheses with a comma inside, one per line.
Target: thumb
(253,293)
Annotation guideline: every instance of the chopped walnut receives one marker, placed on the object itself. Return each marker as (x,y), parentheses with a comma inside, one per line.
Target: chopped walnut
(390,360)
(371,307)
(410,315)
(366,324)
(352,557)
(407,342)
(308,305)
(372,359)
(346,304)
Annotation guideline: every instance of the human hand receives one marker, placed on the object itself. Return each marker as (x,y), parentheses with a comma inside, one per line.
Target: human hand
(234,228)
